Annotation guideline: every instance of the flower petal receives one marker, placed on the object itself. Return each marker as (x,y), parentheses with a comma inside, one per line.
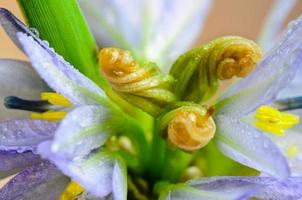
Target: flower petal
(22,134)
(17,78)
(12,25)
(59,74)
(274,22)
(81,131)
(95,172)
(197,191)
(246,145)
(290,145)
(153,30)
(293,89)
(259,187)
(13,162)
(119,181)
(272,74)
(40,182)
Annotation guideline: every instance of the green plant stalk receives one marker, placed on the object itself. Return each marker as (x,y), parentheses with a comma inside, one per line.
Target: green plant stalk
(61,23)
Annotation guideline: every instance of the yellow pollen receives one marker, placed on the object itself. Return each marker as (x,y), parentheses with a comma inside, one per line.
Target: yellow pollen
(55,99)
(72,191)
(292,151)
(49,115)
(271,120)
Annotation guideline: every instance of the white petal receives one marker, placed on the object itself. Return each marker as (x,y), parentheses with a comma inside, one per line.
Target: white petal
(274,22)
(157,30)
(17,78)
(94,172)
(246,145)
(59,74)
(81,131)
(291,139)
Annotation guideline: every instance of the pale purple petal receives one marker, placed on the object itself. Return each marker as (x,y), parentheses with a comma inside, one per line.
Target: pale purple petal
(291,139)
(59,74)
(17,78)
(260,187)
(243,143)
(12,25)
(23,134)
(275,71)
(13,162)
(81,131)
(42,181)
(154,30)
(294,88)
(184,191)
(119,181)
(94,172)
(274,22)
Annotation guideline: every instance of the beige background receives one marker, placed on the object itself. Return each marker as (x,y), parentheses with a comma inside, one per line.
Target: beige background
(227,17)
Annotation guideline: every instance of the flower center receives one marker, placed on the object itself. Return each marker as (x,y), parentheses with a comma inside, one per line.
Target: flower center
(50,107)
(271,120)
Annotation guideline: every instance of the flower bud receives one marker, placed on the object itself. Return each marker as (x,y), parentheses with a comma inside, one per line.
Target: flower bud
(188,127)
(199,71)
(144,86)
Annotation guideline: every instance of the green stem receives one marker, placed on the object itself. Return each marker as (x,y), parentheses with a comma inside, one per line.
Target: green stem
(61,23)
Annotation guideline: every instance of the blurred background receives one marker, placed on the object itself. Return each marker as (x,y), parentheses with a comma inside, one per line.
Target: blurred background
(227,17)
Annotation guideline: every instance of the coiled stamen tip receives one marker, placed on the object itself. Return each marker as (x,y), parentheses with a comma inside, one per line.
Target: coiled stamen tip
(238,60)
(116,61)
(190,130)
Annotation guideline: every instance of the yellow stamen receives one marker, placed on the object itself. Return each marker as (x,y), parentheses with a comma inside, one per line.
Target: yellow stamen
(271,120)
(55,99)
(292,151)
(49,115)
(72,191)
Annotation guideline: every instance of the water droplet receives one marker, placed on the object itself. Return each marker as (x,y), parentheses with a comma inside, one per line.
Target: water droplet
(46,43)
(34,31)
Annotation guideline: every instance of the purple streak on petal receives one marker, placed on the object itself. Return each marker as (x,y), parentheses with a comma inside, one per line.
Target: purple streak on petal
(94,172)
(275,71)
(12,25)
(265,187)
(42,181)
(23,134)
(17,78)
(12,162)
(246,145)
(60,75)
(81,131)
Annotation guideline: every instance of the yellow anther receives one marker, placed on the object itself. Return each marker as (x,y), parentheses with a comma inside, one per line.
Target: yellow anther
(293,150)
(72,191)
(55,99)
(271,120)
(49,115)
